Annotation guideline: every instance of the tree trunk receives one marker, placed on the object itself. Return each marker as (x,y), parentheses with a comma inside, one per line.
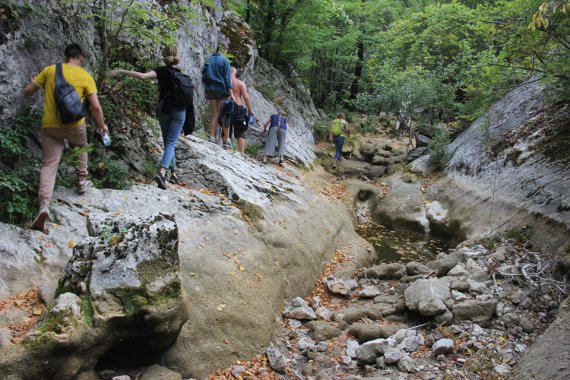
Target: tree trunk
(357,69)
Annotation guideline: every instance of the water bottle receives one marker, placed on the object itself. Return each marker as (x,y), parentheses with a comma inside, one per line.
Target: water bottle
(250,119)
(106,138)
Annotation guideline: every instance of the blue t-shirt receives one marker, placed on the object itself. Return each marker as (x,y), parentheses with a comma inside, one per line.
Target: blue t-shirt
(216,74)
(283,121)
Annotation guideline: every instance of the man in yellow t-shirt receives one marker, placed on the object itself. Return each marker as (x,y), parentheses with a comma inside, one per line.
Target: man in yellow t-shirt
(55,132)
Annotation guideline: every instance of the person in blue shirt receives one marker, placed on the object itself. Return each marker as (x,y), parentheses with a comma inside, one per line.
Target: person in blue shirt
(277,124)
(217,85)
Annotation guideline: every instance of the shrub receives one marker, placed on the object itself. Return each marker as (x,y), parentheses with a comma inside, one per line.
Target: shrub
(109,174)
(18,169)
(439,153)
(253,150)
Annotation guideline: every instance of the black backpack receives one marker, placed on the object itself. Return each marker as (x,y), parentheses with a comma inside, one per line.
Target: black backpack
(181,89)
(67,100)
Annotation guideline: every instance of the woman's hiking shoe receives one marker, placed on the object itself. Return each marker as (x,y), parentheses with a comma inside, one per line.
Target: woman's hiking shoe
(40,222)
(83,185)
(281,162)
(212,139)
(173,179)
(227,145)
(160,181)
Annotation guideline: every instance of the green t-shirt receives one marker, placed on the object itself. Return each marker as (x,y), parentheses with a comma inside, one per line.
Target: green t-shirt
(338,126)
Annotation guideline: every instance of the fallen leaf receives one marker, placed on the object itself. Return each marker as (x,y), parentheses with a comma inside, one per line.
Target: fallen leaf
(71,244)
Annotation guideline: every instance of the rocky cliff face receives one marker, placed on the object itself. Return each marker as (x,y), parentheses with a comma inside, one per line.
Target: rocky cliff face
(506,173)
(251,236)
(34,34)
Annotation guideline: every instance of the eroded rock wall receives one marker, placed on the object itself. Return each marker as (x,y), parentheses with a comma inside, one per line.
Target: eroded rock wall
(500,177)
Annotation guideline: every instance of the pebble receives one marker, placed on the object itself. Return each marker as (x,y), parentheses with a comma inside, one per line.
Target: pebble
(502,369)
(442,346)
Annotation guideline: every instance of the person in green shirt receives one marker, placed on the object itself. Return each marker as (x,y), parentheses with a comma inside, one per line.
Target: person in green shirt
(339,128)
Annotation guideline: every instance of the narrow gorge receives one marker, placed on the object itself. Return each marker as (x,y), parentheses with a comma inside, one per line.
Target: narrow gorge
(248,270)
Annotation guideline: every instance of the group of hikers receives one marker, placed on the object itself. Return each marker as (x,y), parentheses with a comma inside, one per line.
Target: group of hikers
(67,86)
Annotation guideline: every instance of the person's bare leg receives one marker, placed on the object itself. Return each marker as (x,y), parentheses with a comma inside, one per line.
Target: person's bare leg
(226,133)
(241,144)
(215,105)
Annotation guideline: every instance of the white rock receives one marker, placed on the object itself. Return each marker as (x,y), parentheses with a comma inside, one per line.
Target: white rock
(442,346)
(458,271)
(392,355)
(369,291)
(67,302)
(351,346)
(502,369)
(305,343)
(298,309)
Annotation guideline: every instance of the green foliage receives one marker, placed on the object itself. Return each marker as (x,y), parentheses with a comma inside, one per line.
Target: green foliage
(18,170)
(253,150)
(267,90)
(70,158)
(520,235)
(149,167)
(431,60)
(109,174)
(438,150)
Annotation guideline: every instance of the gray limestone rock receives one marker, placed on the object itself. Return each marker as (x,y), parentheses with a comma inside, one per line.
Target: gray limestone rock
(156,371)
(445,264)
(365,332)
(88,375)
(298,309)
(277,360)
(5,337)
(305,343)
(458,271)
(477,311)
(12,316)
(410,343)
(442,346)
(526,324)
(337,286)
(393,271)
(351,314)
(351,346)
(414,268)
(387,298)
(321,331)
(392,355)
(369,351)
(407,364)
(423,165)
(369,291)
(402,207)
(428,297)
(549,357)
(126,287)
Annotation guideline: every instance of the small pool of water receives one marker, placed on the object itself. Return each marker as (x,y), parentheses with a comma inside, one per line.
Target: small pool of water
(403,246)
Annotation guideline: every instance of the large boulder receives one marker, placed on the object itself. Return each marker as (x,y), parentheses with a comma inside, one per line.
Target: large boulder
(549,358)
(475,310)
(428,297)
(402,207)
(122,286)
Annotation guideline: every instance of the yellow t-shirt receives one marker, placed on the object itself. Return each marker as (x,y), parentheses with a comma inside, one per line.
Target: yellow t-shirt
(76,76)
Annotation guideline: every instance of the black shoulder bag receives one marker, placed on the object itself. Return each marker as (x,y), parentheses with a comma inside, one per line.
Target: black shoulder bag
(67,100)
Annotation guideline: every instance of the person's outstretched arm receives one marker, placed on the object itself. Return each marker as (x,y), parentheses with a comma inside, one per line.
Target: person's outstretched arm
(133,74)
